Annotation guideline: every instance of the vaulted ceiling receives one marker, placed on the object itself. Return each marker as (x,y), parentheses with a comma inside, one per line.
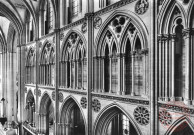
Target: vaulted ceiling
(13,12)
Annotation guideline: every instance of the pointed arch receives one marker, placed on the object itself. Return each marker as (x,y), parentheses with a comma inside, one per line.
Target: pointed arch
(44,102)
(69,104)
(133,18)
(182,121)
(107,114)
(65,41)
(165,16)
(30,97)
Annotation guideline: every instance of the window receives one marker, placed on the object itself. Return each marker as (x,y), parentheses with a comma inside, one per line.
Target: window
(74,7)
(74,64)
(47,66)
(30,67)
(48,17)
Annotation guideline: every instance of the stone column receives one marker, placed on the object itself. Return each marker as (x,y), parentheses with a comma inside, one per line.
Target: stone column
(173,66)
(166,68)
(119,91)
(102,78)
(82,74)
(124,85)
(160,66)
(67,128)
(189,63)
(110,77)
(133,76)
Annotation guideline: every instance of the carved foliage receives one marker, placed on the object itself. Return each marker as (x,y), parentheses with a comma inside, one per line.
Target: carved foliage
(96,105)
(83,102)
(141,6)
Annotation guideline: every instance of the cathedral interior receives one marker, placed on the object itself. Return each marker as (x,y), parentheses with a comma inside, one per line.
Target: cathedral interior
(97,67)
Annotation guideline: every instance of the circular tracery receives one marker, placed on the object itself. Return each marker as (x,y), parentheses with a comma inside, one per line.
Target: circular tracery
(141,115)
(165,117)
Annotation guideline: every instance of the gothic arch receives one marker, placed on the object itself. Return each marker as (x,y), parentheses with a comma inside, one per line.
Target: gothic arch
(165,19)
(65,112)
(12,15)
(139,24)
(65,41)
(45,100)
(42,49)
(182,120)
(106,115)
(190,20)
(30,96)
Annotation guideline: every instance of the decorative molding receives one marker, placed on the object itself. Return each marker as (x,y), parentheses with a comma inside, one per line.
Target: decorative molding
(165,117)
(141,6)
(123,99)
(25,90)
(141,115)
(73,24)
(96,105)
(61,98)
(39,93)
(177,108)
(84,27)
(62,36)
(75,92)
(113,7)
(20,6)
(53,95)
(83,102)
(97,22)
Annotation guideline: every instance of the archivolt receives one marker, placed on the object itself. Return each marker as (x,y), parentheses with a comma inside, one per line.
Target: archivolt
(106,115)
(135,20)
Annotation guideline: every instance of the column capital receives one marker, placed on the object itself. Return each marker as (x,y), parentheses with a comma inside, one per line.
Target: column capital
(173,36)
(188,32)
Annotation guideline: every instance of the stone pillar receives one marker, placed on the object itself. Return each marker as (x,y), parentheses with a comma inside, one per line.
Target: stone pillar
(102,78)
(166,68)
(110,77)
(133,76)
(189,63)
(124,85)
(82,74)
(67,128)
(119,91)
(160,66)
(173,66)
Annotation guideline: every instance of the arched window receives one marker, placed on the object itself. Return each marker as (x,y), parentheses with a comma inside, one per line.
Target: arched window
(47,66)
(138,68)
(30,109)
(29,28)
(179,60)
(74,64)
(121,67)
(128,68)
(106,70)
(114,69)
(47,17)
(30,67)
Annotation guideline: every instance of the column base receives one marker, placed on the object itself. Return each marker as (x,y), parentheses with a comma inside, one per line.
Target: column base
(102,90)
(118,92)
(133,94)
(188,102)
(167,99)
(172,99)
(123,92)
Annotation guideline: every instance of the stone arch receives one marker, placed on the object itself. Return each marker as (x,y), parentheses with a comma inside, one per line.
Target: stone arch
(45,100)
(65,40)
(165,16)
(65,113)
(30,96)
(180,125)
(43,46)
(133,19)
(106,115)
(190,18)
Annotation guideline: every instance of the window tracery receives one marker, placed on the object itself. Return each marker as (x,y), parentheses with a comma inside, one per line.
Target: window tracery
(30,67)
(47,63)
(74,63)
